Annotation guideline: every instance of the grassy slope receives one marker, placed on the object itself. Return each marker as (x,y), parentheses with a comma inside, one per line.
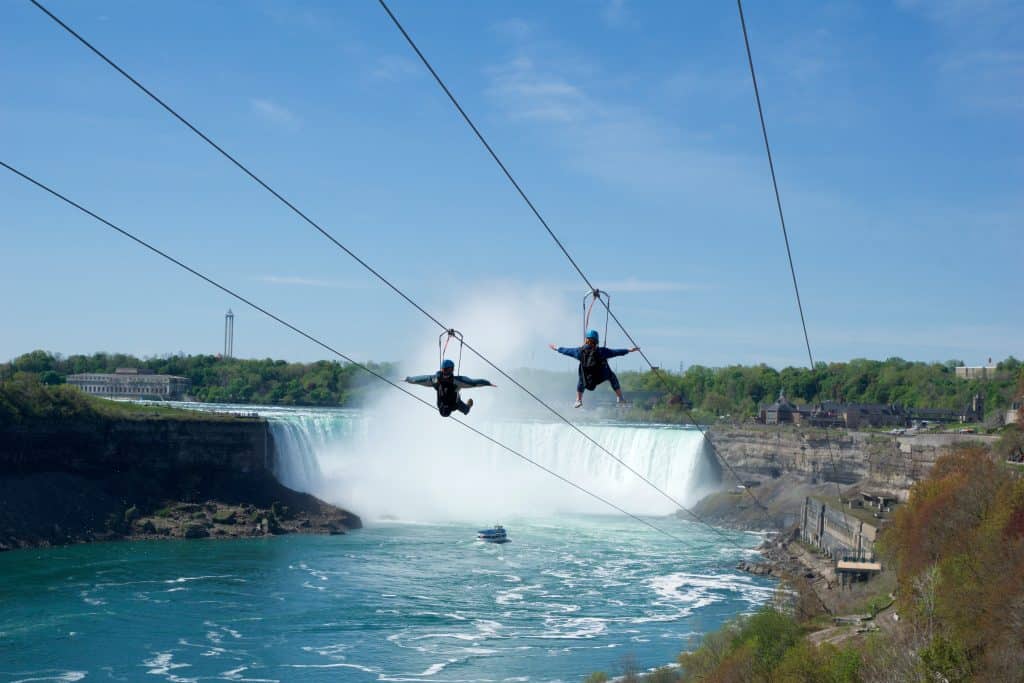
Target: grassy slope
(26,401)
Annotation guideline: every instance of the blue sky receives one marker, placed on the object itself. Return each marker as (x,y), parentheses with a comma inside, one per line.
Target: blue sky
(896,127)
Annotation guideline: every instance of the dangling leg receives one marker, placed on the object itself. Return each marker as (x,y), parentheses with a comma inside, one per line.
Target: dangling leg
(579,390)
(614,381)
(464,407)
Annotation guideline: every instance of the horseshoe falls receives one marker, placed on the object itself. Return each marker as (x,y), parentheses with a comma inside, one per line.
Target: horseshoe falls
(429,468)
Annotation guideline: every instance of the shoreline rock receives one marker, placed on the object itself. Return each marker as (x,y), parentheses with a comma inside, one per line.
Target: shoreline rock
(756,568)
(57,508)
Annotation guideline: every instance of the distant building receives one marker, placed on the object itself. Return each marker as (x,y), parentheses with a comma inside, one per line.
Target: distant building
(846,531)
(780,412)
(977,372)
(135,383)
(856,415)
(1013,414)
(973,412)
(840,532)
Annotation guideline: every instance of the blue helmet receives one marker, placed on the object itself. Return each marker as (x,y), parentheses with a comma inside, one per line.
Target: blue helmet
(592,334)
(447,365)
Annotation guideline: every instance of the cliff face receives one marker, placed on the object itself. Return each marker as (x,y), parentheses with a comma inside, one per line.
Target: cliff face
(81,479)
(99,447)
(889,463)
(785,464)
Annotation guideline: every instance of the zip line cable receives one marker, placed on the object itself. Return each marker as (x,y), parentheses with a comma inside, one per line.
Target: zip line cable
(341,355)
(782,222)
(501,165)
(775,182)
(561,245)
(366,265)
(483,140)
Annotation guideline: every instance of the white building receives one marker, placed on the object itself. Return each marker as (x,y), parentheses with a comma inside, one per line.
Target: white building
(132,383)
(977,372)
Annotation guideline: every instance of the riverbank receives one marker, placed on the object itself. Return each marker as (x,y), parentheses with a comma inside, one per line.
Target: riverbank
(807,572)
(947,605)
(780,468)
(77,469)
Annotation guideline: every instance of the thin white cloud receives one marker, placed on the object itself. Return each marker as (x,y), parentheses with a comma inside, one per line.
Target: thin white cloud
(514,29)
(393,68)
(692,82)
(809,54)
(274,113)
(615,13)
(292,17)
(988,73)
(299,281)
(955,12)
(616,143)
(530,94)
(981,60)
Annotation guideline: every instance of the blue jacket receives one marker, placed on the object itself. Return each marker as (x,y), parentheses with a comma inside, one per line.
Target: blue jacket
(461,381)
(604,352)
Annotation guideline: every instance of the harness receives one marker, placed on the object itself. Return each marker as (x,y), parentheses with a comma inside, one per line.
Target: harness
(446,337)
(447,392)
(593,367)
(606,300)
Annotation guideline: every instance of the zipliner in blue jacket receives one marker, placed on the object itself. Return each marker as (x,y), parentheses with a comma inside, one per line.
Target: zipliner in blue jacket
(604,353)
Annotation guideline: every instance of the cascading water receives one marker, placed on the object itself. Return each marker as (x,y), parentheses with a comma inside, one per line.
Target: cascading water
(302,437)
(423,467)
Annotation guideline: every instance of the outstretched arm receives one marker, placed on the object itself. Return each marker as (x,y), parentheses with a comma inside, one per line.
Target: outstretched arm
(464,382)
(612,353)
(422,380)
(566,350)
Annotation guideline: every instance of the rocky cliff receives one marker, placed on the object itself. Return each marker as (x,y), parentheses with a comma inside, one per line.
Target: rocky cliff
(781,465)
(92,478)
(886,462)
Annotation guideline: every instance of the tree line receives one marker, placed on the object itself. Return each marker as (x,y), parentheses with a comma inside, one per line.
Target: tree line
(738,390)
(735,390)
(220,380)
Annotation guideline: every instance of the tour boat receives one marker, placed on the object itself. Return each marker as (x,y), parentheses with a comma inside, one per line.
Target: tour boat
(495,534)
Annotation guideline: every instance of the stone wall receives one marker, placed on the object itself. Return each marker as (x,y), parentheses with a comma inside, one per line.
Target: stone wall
(838,534)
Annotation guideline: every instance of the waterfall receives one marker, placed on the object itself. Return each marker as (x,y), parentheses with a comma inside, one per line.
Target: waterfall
(303,437)
(420,466)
